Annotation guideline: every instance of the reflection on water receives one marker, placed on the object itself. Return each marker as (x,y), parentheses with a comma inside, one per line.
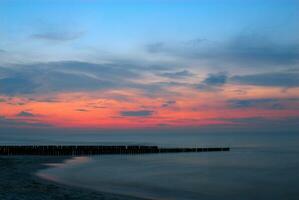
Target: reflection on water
(255,171)
(69,163)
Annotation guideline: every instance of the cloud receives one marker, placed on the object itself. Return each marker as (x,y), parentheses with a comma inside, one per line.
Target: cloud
(9,123)
(185,49)
(81,110)
(64,76)
(16,84)
(213,82)
(15,101)
(178,74)
(216,79)
(260,49)
(155,47)
(271,79)
(250,50)
(137,113)
(168,103)
(264,103)
(57,36)
(25,114)
(75,76)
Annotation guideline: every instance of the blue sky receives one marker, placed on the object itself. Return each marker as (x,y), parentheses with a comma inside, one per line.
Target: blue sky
(126,26)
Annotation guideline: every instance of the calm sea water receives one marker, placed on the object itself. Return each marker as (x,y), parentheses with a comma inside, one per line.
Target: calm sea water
(259,166)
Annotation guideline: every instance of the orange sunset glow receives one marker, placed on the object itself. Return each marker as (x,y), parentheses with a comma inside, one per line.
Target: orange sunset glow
(132,109)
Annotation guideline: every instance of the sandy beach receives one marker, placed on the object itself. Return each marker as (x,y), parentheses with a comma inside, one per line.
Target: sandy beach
(18,182)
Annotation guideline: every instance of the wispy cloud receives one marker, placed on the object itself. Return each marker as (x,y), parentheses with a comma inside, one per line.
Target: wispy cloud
(265,103)
(276,79)
(213,82)
(177,74)
(82,110)
(6,124)
(64,76)
(157,47)
(74,76)
(17,84)
(250,50)
(137,113)
(168,103)
(25,114)
(57,36)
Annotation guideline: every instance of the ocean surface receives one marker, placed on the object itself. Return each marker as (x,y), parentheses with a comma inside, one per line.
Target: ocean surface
(259,166)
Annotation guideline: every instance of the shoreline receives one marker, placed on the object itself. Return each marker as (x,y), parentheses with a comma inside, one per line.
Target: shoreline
(18,181)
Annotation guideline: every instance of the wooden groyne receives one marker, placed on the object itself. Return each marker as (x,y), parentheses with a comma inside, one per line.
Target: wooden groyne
(60,150)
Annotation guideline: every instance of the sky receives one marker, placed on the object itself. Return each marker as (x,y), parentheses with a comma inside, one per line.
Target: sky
(99,65)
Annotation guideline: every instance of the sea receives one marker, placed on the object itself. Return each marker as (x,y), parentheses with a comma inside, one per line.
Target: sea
(258,166)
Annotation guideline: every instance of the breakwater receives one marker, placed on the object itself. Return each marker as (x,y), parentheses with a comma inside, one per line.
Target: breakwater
(60,150)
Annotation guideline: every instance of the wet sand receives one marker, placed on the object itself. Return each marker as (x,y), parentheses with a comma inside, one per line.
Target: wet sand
(19,182)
